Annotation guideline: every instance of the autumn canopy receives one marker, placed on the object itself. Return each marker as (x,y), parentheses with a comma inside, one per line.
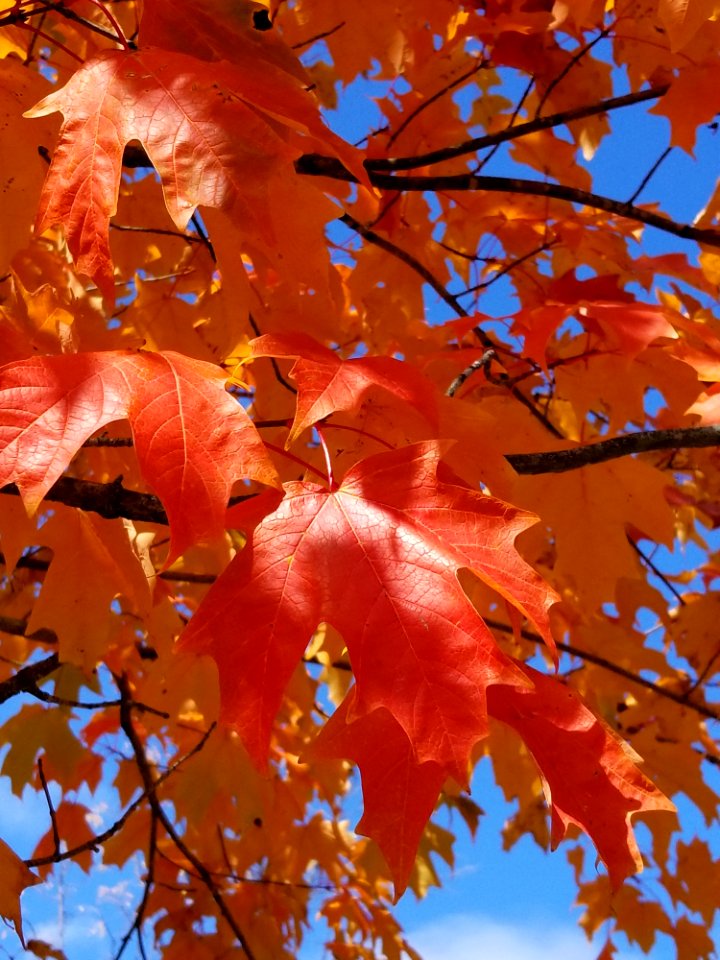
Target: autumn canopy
(351,432)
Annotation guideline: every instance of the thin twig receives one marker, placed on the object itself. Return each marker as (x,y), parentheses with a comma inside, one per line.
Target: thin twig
(136,926)
(99,705)
(21,16)
(407,258)
(515,132)
(434,98)
(650,174)
(573,62)
(656,570)
(98,840)
(276,369)
(478,364)
(51,808)
(318,36)
(160,231)
(203,235)
(508,268)
(518,107)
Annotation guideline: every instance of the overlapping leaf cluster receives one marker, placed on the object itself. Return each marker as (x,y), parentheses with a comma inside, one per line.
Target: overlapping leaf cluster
(269,512)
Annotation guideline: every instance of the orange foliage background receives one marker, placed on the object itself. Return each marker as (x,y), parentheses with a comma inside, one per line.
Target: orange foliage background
(282,496)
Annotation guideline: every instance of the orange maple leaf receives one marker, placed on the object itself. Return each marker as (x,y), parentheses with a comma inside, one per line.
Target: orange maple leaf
(217,137)
(192,439)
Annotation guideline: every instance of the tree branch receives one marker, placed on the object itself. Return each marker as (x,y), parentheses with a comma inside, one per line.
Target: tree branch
(96,841)
(559,461)
(26,679)
(112,500)
(316,165)
(513,133)
(150,784)
(109,500)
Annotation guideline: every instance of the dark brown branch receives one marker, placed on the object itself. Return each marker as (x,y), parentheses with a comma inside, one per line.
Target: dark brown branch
(18,627)
(96,841)
(321,166)
(135,156)
(150,785)
(51,808)
(514,132)
(112,500)
(25,680)
(109,500)
(559,461)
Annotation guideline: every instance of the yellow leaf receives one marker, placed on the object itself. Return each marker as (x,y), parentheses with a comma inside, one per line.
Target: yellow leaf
(683,18)
(15,877)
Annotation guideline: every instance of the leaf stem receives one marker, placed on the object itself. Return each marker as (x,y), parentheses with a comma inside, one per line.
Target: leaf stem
(121,38)
(328,462)
(298,460)
(363,433)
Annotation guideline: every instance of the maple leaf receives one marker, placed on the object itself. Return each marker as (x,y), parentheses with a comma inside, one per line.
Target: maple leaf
(15,878)
(399,794)
(377,559)
(19,192)
(192,439)
(683,18)
(629,327)
(216,136)
(327,384)
(590,775)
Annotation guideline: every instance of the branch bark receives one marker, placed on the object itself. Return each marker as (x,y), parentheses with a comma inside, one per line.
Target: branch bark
(26,679)
(316,165)
(559,461)
(112,500)
(514,133)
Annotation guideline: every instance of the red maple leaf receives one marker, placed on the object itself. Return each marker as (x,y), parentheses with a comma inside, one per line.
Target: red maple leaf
(327,384)
(376,558)
(399,794)
(589,773)
(192,439)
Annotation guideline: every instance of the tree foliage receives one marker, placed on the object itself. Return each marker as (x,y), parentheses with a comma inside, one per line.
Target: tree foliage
(289,490)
